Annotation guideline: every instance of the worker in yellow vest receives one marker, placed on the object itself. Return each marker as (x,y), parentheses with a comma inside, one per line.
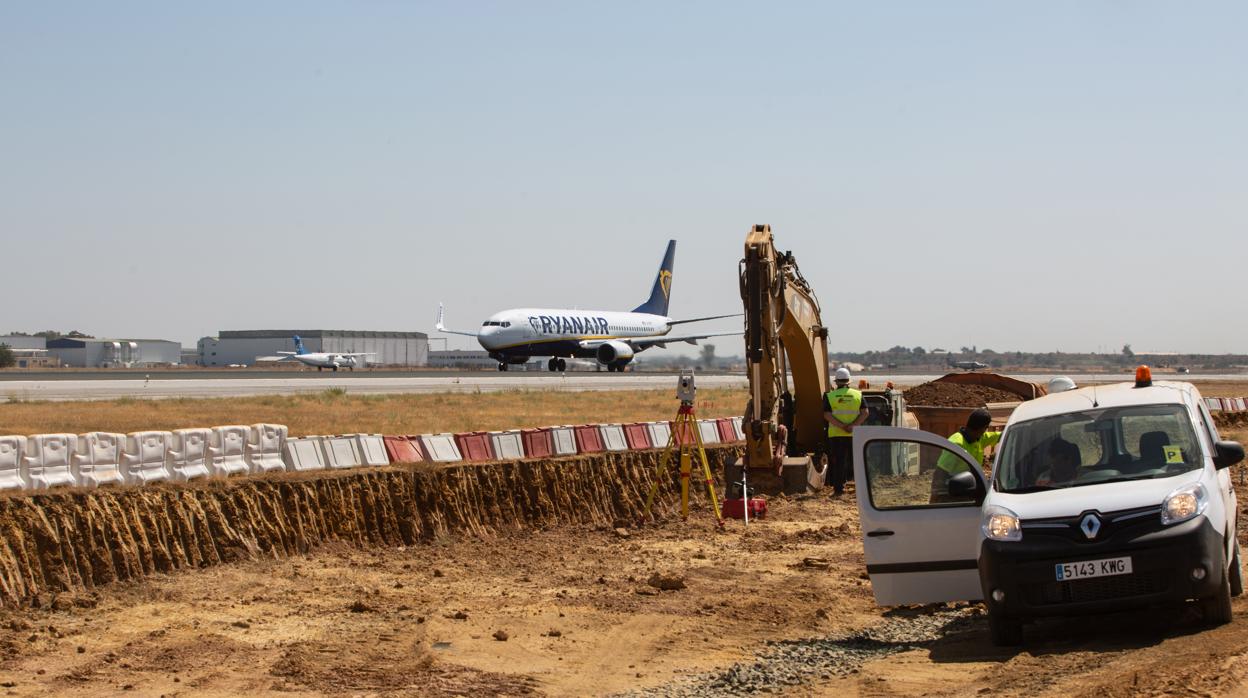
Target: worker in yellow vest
(843,410)
(973,438)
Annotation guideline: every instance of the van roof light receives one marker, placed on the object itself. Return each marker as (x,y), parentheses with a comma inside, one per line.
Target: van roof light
(1143,377)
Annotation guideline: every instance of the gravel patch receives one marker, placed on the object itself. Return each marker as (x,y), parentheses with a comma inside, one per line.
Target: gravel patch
(787,663)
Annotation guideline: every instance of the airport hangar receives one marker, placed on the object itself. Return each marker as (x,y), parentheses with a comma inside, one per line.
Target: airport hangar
(241,347)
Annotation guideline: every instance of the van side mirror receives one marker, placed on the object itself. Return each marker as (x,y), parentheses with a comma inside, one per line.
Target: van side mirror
(1227,453)
(965,485)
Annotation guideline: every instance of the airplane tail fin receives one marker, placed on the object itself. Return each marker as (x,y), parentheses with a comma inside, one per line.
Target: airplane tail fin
(662,291)
(299,346)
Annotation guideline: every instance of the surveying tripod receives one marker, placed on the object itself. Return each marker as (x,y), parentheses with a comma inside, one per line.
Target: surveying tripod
(678,448)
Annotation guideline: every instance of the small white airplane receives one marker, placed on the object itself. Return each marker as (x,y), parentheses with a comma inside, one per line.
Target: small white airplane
(612,338)
(323,360)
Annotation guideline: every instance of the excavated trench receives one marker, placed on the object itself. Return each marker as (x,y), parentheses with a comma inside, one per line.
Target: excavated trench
(75,541)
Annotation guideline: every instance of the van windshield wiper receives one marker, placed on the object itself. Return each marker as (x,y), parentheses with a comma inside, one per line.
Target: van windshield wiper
(1033,488)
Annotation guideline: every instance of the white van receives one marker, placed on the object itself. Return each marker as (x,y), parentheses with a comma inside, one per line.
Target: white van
(1102,498)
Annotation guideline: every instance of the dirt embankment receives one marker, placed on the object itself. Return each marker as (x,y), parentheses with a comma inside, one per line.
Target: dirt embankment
(1230,420)
(76,541)
(937,394)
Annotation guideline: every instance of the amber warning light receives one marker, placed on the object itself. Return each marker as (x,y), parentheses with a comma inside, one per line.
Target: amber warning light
(1143,377)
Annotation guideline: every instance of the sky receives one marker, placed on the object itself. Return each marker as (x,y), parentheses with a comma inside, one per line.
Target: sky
(1046,176)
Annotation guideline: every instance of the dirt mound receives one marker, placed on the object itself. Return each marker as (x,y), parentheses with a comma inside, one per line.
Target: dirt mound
(937,394)
(76,541)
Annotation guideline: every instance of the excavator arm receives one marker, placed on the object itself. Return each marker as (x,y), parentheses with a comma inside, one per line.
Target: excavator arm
(786,354)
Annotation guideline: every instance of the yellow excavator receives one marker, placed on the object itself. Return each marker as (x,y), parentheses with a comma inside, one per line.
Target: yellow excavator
(786,360)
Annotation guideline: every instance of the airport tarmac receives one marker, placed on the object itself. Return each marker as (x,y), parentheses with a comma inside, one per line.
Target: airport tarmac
(109,385)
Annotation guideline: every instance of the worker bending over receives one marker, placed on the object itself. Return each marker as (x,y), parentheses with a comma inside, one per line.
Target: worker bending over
(843,410)
(973,438)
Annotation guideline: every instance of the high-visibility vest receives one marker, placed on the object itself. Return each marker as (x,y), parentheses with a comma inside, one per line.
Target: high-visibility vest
(953,465)
(845,404)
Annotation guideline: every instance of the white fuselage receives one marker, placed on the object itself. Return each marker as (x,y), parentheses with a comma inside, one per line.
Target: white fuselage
(327,360)
(562,331)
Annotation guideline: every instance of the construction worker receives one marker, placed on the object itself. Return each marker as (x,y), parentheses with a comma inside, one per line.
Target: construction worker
(973,438)
(843,410)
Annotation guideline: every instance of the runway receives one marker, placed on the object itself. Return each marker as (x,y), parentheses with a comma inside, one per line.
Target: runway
(105,388)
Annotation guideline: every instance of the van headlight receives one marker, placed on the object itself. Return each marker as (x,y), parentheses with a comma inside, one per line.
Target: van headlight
(1001,524)
(1185,503)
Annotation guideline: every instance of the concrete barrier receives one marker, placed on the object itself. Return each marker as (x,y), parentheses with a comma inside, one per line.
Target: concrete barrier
(403,449)
(660,434)
(736,428)
(303,453)
(188,454)
(507,445)
(97,459)
(708,429)
(342,451)
(12,465)
(474,446)
(637,436)
(1214,404)
(588,438)
(372,450)
(49,460)
(264,447)
(228,449)
(440,448)
(726,433)
(146,457)
(613,437)
(538,443)
(683,435)
(564,439)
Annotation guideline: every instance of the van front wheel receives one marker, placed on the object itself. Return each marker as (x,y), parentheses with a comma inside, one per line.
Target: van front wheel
(1217,608)
(1006,632)
(1236,573)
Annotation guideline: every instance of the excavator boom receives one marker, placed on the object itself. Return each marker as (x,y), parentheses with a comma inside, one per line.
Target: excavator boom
(786,355)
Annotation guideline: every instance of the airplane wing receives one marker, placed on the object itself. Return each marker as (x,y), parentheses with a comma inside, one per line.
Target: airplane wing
(700,319)
(442,327)
(281,356)
(358,353)
(642,343)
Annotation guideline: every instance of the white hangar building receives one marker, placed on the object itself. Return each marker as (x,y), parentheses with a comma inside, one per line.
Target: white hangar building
(243,346)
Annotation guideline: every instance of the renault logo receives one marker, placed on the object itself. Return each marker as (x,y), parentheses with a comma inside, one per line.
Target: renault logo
(1090,525)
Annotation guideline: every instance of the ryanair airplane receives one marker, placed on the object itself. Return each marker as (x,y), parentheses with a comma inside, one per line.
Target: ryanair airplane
(613,338)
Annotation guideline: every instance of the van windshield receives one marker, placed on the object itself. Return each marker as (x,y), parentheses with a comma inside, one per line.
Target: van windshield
(1097,445)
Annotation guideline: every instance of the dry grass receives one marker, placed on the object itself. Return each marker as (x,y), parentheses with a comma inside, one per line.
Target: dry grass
(336,412)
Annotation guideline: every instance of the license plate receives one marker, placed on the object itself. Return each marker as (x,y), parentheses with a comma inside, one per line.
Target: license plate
(1093,568)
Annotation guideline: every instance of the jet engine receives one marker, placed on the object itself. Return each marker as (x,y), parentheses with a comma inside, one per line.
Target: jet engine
(613,351)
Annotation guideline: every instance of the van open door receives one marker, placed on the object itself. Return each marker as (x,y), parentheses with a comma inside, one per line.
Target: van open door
(921,543)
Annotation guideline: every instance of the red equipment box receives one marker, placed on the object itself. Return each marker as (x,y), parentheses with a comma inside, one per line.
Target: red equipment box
(735,508)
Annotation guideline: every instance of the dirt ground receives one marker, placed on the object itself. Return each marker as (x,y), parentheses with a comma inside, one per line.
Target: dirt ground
(782,606)
(569,612)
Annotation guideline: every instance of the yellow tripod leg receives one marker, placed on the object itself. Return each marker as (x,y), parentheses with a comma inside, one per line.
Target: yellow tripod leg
(710,481)
(664,462)
(686,470)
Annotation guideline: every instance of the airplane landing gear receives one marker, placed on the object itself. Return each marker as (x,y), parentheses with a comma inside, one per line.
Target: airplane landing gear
(502,365)
(553,364)
(563,365)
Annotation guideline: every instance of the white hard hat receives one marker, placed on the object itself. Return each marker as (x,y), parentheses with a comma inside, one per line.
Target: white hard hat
(842,374)
(1060,384)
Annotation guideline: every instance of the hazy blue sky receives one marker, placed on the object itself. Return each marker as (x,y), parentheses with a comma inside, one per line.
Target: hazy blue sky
(1035,176)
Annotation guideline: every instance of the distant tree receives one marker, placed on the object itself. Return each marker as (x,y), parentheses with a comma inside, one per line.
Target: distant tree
(919,351)
(899,350)
(6,356)
(966,350)
(708,356)
(1126,352)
